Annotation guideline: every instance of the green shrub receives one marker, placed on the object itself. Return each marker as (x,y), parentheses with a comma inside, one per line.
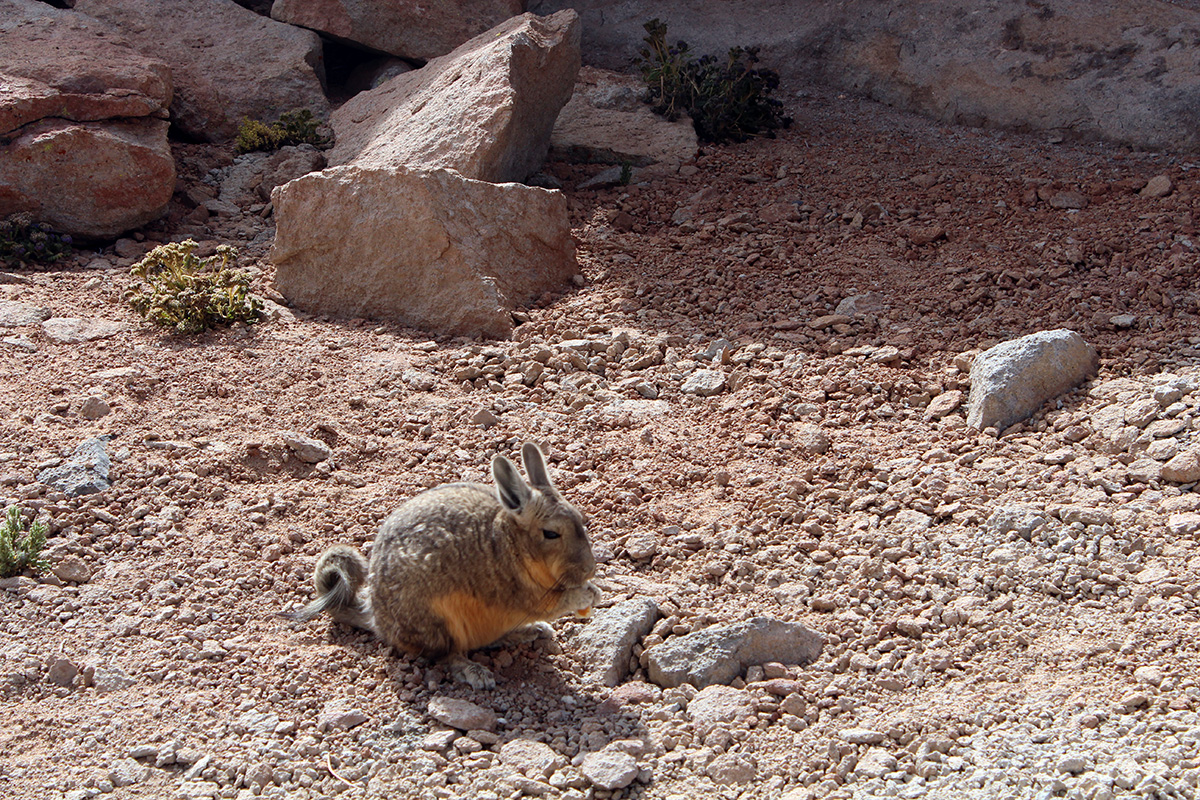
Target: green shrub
(24,242)
(292,127)
(727,100)
(180,291)
(21,544)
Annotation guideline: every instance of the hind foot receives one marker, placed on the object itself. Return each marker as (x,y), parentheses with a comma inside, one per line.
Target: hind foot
(465,670)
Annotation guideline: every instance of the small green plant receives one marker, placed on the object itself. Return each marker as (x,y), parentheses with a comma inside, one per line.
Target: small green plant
(727,100)
(292,127)
(25,243)
(179,290)
(21,544)
(626,173)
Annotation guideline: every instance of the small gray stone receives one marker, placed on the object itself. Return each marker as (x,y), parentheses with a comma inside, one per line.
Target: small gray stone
(72,568)
(606,643)
(107,679)
(335,715)
(719,705)
(94,408)
(704,383)
(462,714)
(73,330)
(13,314)
(530,758)
(1072,765)
(127,772)
(875,763)
(62,672)
(641,545)
(720,653)
(609,770)
(1158,186)
(85,472)
(732,768)
(862,736)
(485,418)
(308,450)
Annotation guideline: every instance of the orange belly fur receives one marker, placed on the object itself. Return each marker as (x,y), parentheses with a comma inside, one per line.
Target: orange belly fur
(471,622)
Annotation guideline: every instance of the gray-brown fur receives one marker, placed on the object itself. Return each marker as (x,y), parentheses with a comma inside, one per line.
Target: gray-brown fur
(462,565)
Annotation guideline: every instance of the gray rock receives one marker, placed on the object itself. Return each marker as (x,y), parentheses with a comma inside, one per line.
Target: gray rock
(308,450)
(862,736)
(719,705)
(14,314)
(85,472)
(606,643)
(1013,379)
(876,763)
(1023,520)
(107,679)
(609,769)
(94,407)
(721,653)
(732,768)
(127,772)
(861,304)
(1158,186)
(462,714)
(73,330)
(72,568)
(336,715)
(704,383)
(62,672)
(530,758)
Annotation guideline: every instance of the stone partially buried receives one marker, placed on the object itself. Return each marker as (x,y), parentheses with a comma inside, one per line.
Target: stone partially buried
(721,653)
(1013,379)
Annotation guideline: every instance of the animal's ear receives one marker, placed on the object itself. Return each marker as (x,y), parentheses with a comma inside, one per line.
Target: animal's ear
(535,468)
(513,492)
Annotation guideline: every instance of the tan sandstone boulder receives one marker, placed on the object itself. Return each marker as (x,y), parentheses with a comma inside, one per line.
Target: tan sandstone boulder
(429,249)
(83,129)
(486,109)
(418,31)
(226,61)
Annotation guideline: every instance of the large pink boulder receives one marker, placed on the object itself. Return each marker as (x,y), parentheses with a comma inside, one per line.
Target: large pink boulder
(405,28)
(226,61)
(83,123)
(486,109)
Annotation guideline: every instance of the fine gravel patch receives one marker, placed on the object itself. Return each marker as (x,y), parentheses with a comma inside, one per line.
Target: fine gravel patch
(757,398)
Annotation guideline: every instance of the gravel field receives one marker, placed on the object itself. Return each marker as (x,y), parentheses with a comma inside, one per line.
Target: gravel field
(756,395)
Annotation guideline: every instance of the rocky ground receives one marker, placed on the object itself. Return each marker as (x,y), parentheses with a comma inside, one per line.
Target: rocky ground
(754,398)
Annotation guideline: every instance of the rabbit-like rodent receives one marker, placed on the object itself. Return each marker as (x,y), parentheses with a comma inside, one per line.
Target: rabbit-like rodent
(461,566)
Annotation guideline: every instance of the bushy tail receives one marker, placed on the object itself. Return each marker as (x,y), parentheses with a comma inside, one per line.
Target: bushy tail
(338,578)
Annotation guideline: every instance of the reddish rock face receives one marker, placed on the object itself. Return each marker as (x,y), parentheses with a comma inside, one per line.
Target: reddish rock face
(413,30)
(226,61)
(84,123)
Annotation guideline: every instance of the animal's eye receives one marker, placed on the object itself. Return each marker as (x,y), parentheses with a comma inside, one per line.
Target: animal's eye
(549,534)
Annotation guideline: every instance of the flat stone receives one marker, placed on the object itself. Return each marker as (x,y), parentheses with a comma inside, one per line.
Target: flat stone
(1184,467)
(721,653)
(1158,186)
(85,472)
(862,736)
(609,770)
(719,705)
(335,715)
(128,772)
(532,759)
(71,568)
(704,383)
(945,403)
(462,714)
(74,330)
(307,449)
(15,315)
